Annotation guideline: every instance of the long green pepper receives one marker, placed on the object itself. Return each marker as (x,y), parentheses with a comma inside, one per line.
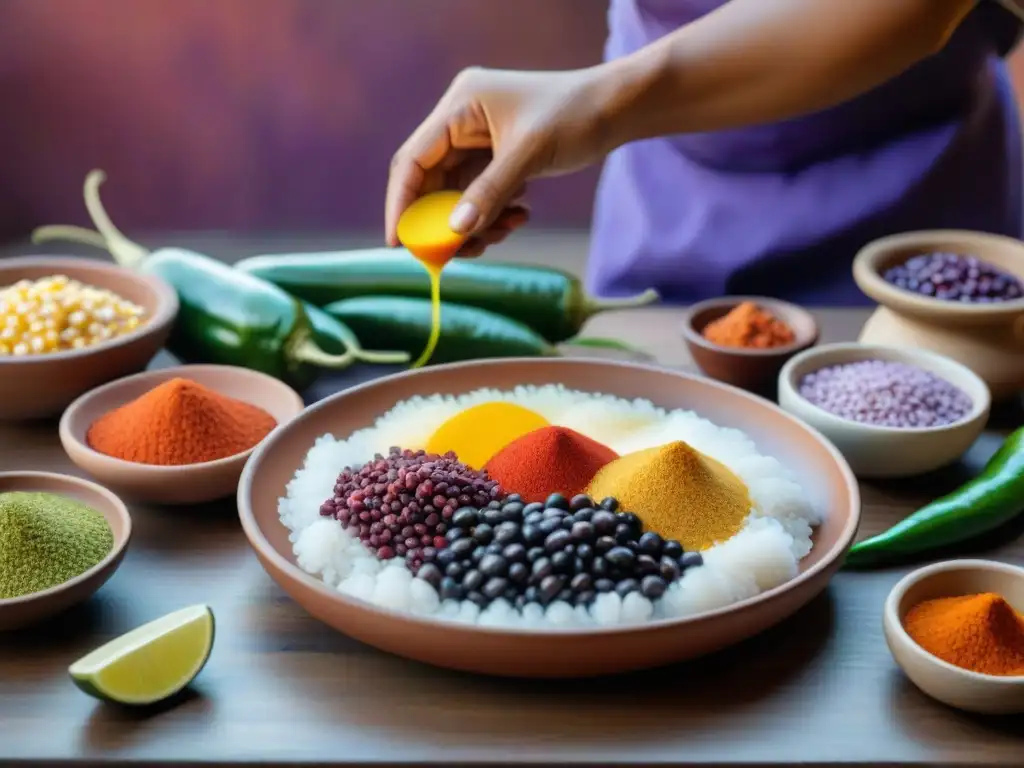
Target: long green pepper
(993,498)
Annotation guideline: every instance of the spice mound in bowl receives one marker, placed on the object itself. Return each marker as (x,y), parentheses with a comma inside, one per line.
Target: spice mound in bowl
(892,412)
(745,340)
(178,435)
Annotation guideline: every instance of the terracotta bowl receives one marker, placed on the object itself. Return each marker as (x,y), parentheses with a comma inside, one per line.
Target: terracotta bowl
(567,653)
(877,452)
(188,483)
(34,387)
(753,369)
(960,688)
(987,338)
(21,611)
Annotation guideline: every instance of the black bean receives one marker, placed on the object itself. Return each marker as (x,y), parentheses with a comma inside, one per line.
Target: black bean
(567,523)
(584,552)
(494,504)
(513,497)
(454,534)
(581,582)
(673,549)
(478,598)
(531,594)
(556,541)
(534,553)
(631,520)
(450,589)
(512,513)
(506,533)
(466,517)
(645,564)
(585,598)
(600,567)
(511,593)
(562,562)
(557,500)
(652,587)
(446,557)
(620,557)
(431,574)
(520,602)
(609,503)
(691,560)
(455,570)
(549,524)
(555,512)
(583,515)
(532,507)
(542,568)
(473,579)
(604,523)
(603,544)
(583,532)
(483,533)
(478,554)
(623,533)
(494,565)
(580,501)
(492,517)
(533,518)
(651,544)
(519,573)
(514,553)
(566,596)
(549,588)
(532,535)
(604,585)
(462,547)
(632,546)
(495,587)
(669,568)
(626,586)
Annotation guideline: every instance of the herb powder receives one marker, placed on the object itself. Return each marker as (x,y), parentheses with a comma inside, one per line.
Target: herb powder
(46,540)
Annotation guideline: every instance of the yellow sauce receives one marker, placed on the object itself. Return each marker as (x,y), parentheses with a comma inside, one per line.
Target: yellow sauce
(480,431)
(423,229)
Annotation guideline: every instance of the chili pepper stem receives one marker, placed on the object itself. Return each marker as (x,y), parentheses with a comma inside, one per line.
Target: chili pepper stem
(308,352)
(591,305)
(69,233)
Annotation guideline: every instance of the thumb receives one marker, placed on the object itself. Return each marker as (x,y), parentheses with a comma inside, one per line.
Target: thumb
(491,192)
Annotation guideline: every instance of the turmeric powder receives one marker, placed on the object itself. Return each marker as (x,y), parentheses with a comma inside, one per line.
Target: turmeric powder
(677,492)
(179,422)
(981,633)
(749,326)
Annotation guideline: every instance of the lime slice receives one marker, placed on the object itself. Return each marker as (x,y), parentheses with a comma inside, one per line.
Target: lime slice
(150,663)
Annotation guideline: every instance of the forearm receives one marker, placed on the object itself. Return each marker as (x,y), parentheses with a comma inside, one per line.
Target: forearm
(758,61)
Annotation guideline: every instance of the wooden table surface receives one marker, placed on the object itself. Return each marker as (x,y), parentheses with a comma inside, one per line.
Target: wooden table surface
(820,689)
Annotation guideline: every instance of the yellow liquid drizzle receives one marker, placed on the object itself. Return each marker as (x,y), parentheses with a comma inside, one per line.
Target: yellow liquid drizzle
(434,272)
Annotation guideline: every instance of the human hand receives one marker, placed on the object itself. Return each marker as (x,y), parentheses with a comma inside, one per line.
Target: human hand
(491,132)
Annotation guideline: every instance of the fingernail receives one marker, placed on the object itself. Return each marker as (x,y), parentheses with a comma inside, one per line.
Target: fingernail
(464,217)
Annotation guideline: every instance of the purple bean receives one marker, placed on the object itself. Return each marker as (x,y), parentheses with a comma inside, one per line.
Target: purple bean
(954,277)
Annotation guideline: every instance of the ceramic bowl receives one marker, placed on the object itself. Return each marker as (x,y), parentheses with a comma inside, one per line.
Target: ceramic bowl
(42,386)
(568,653)
(960,688)
(987,338)
(746,368)
(880,452)
(185,484)
(21,611)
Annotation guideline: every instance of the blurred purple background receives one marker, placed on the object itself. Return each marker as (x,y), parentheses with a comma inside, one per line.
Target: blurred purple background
(251,115)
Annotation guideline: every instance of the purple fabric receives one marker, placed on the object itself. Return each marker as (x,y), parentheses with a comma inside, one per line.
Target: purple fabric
(781,209)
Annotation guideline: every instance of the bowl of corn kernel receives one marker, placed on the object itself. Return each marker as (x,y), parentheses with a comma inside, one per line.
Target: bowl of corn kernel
(68,324)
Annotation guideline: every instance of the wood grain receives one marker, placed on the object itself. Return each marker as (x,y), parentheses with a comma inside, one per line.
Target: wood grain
(821,689)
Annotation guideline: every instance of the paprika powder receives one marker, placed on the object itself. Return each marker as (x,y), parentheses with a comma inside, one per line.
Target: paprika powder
(179,422)
(750,327)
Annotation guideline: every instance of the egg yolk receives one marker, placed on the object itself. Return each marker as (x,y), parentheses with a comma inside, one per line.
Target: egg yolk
(479,432)
(423,228)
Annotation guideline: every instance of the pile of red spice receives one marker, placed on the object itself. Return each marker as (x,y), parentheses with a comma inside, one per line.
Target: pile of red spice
(179,422)
(749,326)
(549,460)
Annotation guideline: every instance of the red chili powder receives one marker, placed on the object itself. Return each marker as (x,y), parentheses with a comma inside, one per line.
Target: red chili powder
(548,460)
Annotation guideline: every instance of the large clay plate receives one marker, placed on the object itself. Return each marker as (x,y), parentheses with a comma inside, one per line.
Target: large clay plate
(566,653)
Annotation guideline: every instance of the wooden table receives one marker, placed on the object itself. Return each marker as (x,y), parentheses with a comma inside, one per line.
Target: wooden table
(821,689)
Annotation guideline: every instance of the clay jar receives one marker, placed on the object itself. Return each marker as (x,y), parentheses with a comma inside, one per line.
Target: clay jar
(987,338)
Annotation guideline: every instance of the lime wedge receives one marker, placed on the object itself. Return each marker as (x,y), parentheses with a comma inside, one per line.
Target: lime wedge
(150,663)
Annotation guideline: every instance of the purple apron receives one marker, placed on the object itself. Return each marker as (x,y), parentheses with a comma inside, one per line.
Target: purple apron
(781,209)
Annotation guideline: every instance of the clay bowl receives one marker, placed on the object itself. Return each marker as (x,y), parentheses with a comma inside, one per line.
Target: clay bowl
(42,386)
(566,653)
(960,688)
(987,338)
(21,611)
(753,369)
(185,484)
(887,452)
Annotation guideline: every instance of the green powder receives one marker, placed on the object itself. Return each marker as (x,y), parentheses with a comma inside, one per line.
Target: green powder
(46,539)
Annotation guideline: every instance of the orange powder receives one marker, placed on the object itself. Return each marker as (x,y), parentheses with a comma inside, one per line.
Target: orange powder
(179,422)
(749,326)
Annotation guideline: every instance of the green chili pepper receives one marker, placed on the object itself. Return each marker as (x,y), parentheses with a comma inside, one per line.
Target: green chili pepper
(466,332)
(993,498)
(226,316)
(550,301)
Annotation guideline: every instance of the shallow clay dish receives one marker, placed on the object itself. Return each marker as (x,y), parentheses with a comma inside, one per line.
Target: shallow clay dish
(746,368)
(40,386)
(566,653)
(877,452)
(960,688)
(189,483)
(21,611)
(987,338)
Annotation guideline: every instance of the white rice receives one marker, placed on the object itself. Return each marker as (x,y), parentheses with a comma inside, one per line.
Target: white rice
(764,554)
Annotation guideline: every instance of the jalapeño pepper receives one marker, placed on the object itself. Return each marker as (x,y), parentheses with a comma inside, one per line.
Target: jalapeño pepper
(991,499)
(226,316)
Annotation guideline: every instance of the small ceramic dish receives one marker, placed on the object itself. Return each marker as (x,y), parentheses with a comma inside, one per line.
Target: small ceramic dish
(21,611)
(184,484)
(746,368)
(40,386)
(878,452)
(960,688)
(988,338)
